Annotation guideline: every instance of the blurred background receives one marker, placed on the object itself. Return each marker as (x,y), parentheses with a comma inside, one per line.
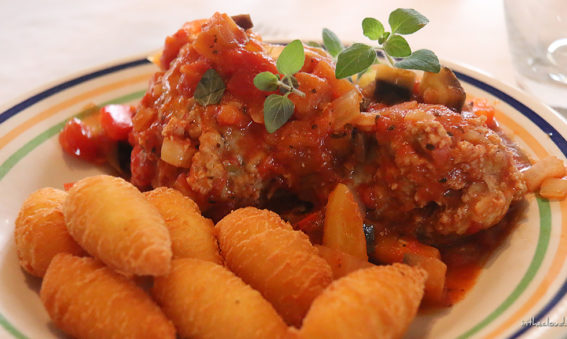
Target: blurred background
(44,41)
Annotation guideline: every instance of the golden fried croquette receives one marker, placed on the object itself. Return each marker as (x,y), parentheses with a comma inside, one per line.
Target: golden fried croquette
(40,232)
(113,222)
(377,302)
(279,262)
(206,300)
(85,299)
(192,235)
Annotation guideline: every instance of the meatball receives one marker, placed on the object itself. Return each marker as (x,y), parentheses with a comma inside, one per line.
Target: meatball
(444,172)
(423,169)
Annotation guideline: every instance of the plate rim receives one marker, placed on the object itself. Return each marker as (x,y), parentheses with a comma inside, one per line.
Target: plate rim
(15,106)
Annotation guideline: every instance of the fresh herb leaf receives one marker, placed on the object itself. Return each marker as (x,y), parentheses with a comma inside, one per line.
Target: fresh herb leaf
(406,21)
(291,58)
(314,44)
(423,59)
(279,108)
(397,46)
(354,59)
(210,88)
(358,57)
(331,42)
(277,111)
(266,81)
(372,28)
(384,37)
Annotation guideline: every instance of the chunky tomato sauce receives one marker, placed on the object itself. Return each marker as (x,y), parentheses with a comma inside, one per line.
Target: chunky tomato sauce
(424,174)
(466,259)
(101,136)
(234,161)
(433,182)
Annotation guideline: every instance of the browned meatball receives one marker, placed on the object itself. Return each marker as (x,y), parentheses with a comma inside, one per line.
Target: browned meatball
(420,168)
(440,171)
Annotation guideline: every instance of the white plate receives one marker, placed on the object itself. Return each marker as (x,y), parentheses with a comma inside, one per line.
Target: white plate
(525,280)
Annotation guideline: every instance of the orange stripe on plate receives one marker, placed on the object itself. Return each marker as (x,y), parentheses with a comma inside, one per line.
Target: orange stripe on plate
(559,259)
(510,124)
(18,130)
(519,131)
(543,288)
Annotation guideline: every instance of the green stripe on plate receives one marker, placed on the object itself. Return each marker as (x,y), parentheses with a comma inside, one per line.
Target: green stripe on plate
(535,264)
(30,146)
(11,329)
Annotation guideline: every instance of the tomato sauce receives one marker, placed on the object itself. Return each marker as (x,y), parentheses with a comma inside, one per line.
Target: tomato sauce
(102,136)
(466,259)
(421,172)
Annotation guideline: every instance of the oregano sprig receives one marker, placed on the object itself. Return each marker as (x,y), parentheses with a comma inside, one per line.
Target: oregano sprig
(278,108)
(210,88)
(332,43)
(358,57)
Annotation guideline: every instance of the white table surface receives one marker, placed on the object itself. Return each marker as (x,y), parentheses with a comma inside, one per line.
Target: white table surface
(45,40)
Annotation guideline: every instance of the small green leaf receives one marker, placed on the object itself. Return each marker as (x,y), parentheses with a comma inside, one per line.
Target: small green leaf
(266,81)
(397,46)
(423,59)
(332,43)
(314,44)
(277,111)
(406,21)
(383,38)
(354,59)
(210,88)
(291,58)
(372,28)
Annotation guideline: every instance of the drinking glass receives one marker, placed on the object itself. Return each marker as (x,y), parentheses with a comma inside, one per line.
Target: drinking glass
(537,33)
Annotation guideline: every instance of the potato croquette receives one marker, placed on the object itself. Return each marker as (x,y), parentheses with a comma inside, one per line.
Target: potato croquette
(206,300)
(279,262)
(377,302)
(113,222)
(85,299)
(192,235)
(40,232)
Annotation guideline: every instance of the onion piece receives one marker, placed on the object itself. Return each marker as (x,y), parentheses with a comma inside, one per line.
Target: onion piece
(345,109)
(549,167)
(366,121)
(177,152)
(143,118)
(554,188)
(155,57)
